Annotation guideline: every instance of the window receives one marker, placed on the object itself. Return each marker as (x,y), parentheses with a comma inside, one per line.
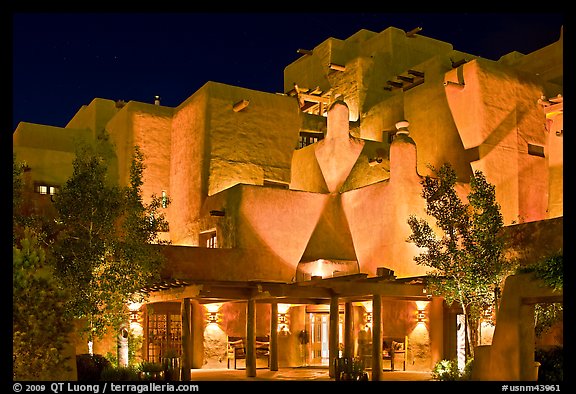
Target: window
(164,331)
(164,199)
(208,239)
(45,189)
(212,242)
(308,138)
(535,150)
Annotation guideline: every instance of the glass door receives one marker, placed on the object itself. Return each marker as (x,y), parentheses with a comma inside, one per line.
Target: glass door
(318,328)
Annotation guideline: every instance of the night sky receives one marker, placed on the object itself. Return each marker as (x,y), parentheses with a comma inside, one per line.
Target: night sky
(62,61)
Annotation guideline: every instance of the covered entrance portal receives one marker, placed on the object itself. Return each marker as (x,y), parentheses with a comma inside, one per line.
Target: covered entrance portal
(325,318)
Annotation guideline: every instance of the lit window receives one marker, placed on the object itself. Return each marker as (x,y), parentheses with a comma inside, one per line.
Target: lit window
(208,239)
(46,189)
(212,242)
(164,199)
(307,138)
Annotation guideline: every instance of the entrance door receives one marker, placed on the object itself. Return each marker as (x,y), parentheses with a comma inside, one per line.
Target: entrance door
(318,327)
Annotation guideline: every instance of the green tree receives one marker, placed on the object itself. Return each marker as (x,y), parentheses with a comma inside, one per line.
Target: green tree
(467,254)
(39,325)
(105,249)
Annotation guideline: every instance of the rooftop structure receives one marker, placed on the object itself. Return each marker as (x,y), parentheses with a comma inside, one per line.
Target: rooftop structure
(302,197)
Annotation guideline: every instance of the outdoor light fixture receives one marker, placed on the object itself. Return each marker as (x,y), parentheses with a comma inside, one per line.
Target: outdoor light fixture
(134,315)
(213,317)
(421,315)
(368,319)
(282,318)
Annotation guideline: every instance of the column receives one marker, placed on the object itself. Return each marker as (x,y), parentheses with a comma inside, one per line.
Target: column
(333,340)
(186,359)
(376,337)
(273,348)
(251,338)
(348,330)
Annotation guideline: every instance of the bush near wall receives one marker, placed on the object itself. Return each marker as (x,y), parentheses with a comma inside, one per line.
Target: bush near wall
(551,364)
(90,366)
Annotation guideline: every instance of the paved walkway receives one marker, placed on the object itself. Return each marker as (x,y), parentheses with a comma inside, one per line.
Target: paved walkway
(299,374)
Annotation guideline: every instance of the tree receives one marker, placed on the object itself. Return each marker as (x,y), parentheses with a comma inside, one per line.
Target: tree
(39,325)
(105,252)
(467,255)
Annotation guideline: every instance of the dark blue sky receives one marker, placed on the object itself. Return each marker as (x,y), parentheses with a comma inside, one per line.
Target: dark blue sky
(62,61)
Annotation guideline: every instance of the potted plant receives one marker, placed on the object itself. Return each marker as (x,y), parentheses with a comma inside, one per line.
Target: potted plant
(303,338)
(171,363)
(149,370)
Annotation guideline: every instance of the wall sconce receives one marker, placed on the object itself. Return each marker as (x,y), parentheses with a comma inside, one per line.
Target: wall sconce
(134,316)
(421,315)
(282,319)
(213,317)
(368,320)
(240,105)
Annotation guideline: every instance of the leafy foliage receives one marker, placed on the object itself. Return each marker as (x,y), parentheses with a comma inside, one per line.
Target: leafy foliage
(551,271)
(105,253)
(39,325)
(447,370)
(467,257)
(91,366)
(551,364)
(40,331)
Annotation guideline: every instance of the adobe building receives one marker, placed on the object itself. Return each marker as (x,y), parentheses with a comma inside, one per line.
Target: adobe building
(288,213)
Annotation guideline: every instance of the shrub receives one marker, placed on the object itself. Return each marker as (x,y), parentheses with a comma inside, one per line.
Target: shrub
(90,366)
(551,364)
(447,370)
(119,374)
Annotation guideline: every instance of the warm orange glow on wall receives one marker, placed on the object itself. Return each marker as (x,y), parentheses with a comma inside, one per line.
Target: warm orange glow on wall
(318,269)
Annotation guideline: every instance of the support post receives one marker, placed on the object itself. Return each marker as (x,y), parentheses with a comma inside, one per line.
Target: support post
(333,340)
(186,360)
(251,338)
(273,336)
(376,337)
(348,330)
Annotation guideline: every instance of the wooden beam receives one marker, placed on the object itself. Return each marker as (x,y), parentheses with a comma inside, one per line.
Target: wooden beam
(240,105)
(304,52)
(273,350)
(314,98)
(250,338)
(376,337)
(333,340)
(416,73)
(336,67)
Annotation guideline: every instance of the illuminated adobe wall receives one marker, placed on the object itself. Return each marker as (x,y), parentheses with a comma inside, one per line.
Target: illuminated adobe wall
(484,118)
(49,151)
(147,126)
(367,224)
(215,147)
(94,116)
